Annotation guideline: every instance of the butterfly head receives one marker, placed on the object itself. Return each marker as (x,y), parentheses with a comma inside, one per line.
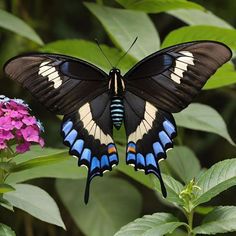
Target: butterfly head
(116,84)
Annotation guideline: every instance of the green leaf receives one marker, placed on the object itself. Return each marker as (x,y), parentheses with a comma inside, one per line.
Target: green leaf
(183,163)
(6,204)
(123,26)
(65,169)
(203,210)
(173,188)
(221,220)
(218,178)
(90,52)
(6,230)
(36,202)
(40,161)
(4,188)
(156,6)
(191,33)
(224,76)
(107,209)
(157,224)
(198,17)
(204,118)
(16,25)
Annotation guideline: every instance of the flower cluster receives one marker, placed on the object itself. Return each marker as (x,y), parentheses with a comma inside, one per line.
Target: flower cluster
(17,126)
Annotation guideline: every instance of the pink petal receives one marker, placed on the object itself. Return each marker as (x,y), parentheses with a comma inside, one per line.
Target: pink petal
(3,145)
(30,134)
(5,135)
(24,147)
(5,123)
(29,120)
(41,142)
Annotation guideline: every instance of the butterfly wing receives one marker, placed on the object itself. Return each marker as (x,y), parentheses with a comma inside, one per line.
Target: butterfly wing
(172,77)
(163,83)
(79,91)
(60,83)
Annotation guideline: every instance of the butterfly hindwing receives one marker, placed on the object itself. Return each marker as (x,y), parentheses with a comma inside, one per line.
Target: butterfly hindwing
(150,132)
(172,77)
(88,133)
(60,83)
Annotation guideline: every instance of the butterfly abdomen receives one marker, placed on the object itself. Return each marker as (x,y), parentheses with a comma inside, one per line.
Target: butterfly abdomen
(117,111)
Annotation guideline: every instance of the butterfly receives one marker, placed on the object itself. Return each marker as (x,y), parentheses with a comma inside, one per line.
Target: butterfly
(93,102)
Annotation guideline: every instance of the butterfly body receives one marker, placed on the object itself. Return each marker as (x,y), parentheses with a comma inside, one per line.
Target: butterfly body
(116,91)
(143,99)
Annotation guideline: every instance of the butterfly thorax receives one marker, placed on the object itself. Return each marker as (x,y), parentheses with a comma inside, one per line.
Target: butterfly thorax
(116,87)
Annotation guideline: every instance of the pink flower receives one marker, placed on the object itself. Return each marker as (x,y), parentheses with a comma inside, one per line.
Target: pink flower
(17,126)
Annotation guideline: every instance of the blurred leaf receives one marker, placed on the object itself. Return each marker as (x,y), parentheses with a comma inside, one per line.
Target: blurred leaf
(178,232)
(203,210)
(198,17)
(4,188)
(215,180)
(156,6)
(221,220)
(149,225)
(173,188)
(183,163)
(40,161)
(6,230)
(90,52)
(6,166)
(6,204)
(123,26)
(18,26)
(36,202)
(191,33)
(107,209)
(66,169)
(204,118)
(225,75)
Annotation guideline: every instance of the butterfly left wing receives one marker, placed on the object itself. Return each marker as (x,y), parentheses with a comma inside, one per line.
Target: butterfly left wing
(79,91)
(164,82)
(61,83)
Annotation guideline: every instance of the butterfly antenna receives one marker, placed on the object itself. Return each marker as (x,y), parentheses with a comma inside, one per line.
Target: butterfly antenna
(126,52)
(103,53)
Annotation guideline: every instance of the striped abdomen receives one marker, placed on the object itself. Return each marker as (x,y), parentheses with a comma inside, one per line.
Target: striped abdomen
(117,111)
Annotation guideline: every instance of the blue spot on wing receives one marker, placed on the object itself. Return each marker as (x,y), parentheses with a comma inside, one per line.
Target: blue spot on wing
(113,159)
(169,128)
(105,163)
(158,150)
(165,140)
(95,165)
(85,157)
(150,160)
(70,138)
(78,146)
(66,127)
(140,161)
(130,159)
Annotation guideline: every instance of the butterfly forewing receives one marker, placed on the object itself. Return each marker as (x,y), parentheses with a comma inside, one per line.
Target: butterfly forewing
(60,83)
(172,77)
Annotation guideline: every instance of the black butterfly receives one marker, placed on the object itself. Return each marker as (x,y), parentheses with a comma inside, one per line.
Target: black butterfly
(92,101)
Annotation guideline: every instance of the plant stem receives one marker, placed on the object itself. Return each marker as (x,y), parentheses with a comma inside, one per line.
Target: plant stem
(190,223)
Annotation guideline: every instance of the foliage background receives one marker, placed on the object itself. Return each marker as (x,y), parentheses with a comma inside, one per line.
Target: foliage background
(71,19)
